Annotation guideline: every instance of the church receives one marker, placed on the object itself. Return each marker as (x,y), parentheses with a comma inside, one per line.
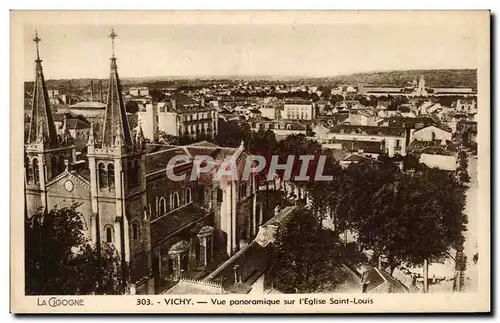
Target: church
(163,230)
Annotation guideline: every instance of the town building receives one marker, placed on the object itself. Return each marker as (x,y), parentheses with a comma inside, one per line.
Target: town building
(468,105)
(297,110)
(138,91)
(281,128)
(431,133)
(367,139)
(270,113)
(441,154)
(179,116)
(78,129)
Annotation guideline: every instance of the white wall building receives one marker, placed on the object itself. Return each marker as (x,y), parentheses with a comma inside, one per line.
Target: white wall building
(138,91)
(298,111)
(466,106)
(392,138)
(431,133)
(268,112)
(439,160)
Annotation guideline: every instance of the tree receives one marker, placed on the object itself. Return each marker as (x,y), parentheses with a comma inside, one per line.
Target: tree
(231,134)
(410,218)
(305,257)
(60,261)
(336,98)
(156,95)
(325,195)
(462,170)
(167,139)
(132,107)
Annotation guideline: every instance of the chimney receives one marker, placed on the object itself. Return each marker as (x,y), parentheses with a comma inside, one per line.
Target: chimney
(174,104)
(101,97)
(91,90)
(66,165)
(202,101)
(237,277)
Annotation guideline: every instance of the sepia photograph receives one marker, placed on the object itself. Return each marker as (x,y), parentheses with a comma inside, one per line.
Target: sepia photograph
(280,161)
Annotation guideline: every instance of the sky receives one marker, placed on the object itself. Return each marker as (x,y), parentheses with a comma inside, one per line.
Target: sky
(83,51)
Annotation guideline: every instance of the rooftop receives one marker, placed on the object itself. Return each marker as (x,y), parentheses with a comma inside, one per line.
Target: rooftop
(88,105)
(159,157)
(76,124)
(369,130)
(163,227)
(420,146)
(195,287)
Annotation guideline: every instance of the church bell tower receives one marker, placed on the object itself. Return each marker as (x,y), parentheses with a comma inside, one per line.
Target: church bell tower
(118,183)
(47,154)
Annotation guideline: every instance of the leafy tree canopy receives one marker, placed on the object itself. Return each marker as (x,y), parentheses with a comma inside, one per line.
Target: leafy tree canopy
(305,257)
(132,107)
(60,261)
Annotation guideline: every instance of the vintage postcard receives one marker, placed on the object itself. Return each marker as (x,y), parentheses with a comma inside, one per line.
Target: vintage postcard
(250,162)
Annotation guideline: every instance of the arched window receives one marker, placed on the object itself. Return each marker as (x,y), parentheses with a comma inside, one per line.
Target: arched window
(61,166)
(29,171)
(111,176)
(53,166)
(36,171)
(102,176)
(135,230)
(162,206)
(109,234)
(176,202)
(188,195)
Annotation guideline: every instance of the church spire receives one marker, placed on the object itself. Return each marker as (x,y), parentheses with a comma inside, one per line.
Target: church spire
(42,121)
(116,127)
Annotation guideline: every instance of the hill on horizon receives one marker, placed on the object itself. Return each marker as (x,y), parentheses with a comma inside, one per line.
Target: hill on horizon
(399,78)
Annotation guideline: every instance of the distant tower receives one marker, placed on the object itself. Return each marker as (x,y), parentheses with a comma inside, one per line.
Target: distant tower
(420,90)
(46,154)
(421,84)
(91,90)
(118,184)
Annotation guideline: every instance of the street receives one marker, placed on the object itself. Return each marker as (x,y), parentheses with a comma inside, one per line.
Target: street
(470,244)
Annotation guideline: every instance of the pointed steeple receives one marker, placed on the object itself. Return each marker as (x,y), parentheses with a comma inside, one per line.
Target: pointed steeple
(116,127)
(118,138)
(42,119)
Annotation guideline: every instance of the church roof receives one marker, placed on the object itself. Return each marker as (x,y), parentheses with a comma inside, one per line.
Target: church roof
(163,227)
(159,159)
